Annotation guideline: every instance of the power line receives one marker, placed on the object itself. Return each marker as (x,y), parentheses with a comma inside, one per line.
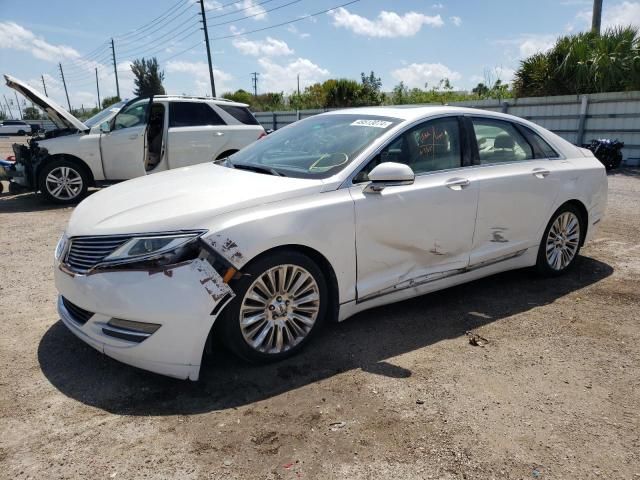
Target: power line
(299,19)
(153,22)
(128,51)
(148,34)
(238,11)
(256,14)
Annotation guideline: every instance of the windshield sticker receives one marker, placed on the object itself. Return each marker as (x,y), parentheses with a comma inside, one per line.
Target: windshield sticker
(372,123)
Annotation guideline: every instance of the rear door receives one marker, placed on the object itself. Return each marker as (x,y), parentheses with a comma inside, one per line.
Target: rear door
(123,147)
(407,235)
(517,187)
(196,134)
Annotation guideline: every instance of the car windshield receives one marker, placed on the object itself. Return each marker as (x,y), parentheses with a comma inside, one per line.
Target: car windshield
(317,147)
(105,114)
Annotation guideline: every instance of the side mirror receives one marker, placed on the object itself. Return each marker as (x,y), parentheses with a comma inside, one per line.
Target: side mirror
(105,127)
(389,174)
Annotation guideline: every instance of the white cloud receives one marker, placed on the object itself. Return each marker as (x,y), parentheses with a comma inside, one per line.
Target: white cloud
(250,7)
(616,15)
(457,21)
(283,78)
(438,6)
(16,37)
(417,74)
(269,47)
(199,72)
(387,24)
(532,44)
(294,30)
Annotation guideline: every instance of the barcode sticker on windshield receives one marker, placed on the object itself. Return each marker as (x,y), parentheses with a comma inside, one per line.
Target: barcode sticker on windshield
(372,123)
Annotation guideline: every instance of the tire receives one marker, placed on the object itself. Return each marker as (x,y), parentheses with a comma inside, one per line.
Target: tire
(276,331)
(561,242)
(1,187)
(21,133)
(59,192)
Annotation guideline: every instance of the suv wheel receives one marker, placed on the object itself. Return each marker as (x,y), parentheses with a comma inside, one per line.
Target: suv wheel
(63,181)
(280,303)
(561,241)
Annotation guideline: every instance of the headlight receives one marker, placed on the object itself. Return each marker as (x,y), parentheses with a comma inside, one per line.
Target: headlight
(61,246)
(164,248)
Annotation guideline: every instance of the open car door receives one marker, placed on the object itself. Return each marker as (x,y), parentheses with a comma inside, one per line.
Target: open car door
(122,144)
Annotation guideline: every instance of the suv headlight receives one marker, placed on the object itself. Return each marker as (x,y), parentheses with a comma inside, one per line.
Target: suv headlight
(163,249)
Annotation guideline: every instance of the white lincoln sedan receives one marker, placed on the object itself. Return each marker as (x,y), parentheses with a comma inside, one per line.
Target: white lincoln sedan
(327,217)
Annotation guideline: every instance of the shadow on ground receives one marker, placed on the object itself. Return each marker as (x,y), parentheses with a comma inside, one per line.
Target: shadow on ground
(30,202)
(364,342)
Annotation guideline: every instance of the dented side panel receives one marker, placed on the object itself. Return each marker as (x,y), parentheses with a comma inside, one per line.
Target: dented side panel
(407,233)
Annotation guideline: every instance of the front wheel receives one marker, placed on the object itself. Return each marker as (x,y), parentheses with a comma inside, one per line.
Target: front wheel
(63,181)
(561,241)
(281,301)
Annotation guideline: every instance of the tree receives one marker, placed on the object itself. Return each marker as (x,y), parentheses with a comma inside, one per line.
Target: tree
(149,77)
(241,96)
(370,92)
(583,63)
(108,101)
(342,93)
(31,113)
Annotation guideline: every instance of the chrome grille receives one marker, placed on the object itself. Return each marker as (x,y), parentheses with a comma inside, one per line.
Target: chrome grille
(86,252)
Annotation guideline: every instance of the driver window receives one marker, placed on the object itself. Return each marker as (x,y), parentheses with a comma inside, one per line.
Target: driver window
(132,115)
(429,147)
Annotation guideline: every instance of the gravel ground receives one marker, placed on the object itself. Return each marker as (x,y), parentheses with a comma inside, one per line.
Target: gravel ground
(396,392)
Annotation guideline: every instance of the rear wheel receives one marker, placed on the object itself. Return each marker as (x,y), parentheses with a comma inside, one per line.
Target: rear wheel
(63,181)
(281,301)
(561,241)
(21,133)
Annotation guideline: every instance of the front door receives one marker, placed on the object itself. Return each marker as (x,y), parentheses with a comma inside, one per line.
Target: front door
(517,190)
(123,147)
(408,235)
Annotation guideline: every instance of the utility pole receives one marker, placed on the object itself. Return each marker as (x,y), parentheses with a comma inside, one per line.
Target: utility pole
(206,40)
(18,103)
(8,106)
(115,67)
(254,82)
(596,18)
(298,84)
(98,87)
(44,86)
(65,86)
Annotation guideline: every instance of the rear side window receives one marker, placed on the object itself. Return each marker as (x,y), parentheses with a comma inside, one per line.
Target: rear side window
(192,114)
(540,145)
(500,141)
(242,114)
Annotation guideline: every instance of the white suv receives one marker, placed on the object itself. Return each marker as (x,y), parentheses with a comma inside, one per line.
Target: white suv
(14,127)
(128,140)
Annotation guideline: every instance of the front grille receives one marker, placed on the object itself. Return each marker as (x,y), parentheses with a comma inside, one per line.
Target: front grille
(86,252)
(80,315)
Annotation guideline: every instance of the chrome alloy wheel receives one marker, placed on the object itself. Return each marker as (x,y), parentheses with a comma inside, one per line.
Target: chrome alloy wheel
(563,240)
(64,183)
(279,309)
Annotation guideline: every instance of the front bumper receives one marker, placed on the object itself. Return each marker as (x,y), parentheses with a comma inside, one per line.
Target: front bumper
(184,300)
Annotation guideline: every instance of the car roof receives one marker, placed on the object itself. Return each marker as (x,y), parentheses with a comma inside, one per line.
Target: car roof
(412,112)
(216,100)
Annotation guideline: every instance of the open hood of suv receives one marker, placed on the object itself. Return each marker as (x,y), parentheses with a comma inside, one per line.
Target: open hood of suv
(56,113)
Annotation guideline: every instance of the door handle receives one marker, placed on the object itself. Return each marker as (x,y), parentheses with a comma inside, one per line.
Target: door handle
(218,134)
(457,183)
(540,172)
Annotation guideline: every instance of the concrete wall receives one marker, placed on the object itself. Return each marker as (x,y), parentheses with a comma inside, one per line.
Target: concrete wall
(577,118)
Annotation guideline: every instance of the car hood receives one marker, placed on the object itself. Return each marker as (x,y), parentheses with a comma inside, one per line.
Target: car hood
(181,199)
(56,113)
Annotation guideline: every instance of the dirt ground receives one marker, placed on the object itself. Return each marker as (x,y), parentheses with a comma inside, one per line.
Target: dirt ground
(395,393)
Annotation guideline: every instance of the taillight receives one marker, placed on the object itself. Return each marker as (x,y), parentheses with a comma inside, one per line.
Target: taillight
(262,135)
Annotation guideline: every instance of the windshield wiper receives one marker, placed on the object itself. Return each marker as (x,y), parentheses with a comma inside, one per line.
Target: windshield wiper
(256,168)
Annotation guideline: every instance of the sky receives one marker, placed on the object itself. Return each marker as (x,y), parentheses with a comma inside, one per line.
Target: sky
(415,41)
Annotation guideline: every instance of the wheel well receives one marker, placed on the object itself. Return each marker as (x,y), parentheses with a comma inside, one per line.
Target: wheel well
(69,158)
(325,266)
(584,214)
(226,153)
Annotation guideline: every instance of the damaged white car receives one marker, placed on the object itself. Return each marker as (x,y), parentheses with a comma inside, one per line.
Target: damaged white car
(327,217)
(128,140)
